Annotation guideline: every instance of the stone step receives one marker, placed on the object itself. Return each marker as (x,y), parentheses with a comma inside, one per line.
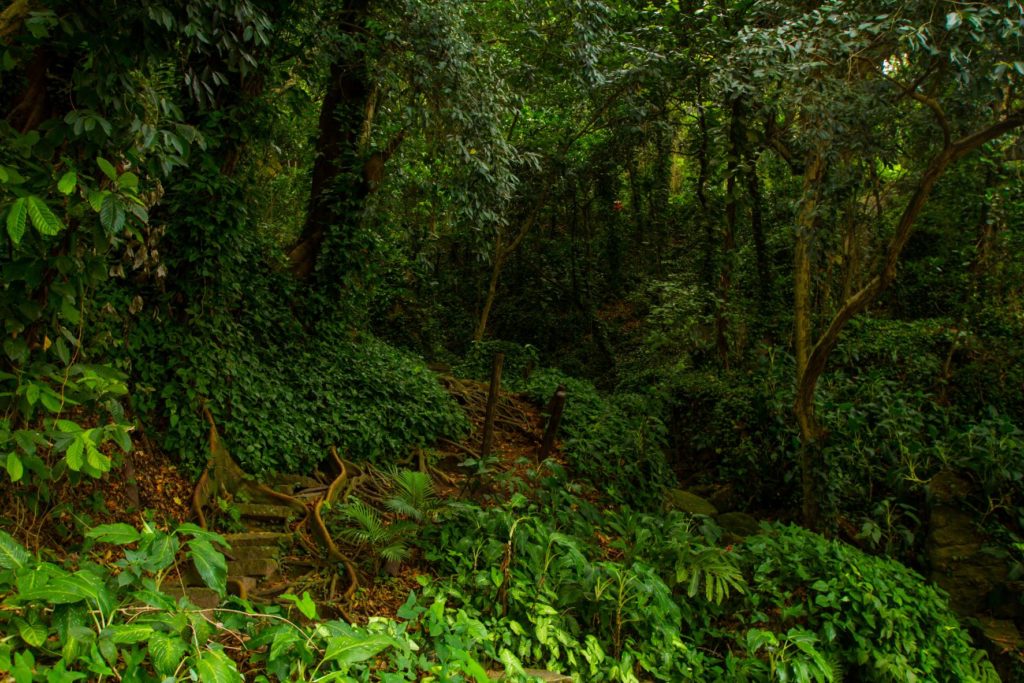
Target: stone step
(255,552)
(258,538)
(200,596)
(259,568)
(293,481)
(267,512)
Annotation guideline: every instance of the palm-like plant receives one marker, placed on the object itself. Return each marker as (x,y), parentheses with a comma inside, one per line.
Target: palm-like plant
(362,526)
(413,495)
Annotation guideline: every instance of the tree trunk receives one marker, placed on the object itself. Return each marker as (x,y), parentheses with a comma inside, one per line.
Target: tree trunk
(729,231)
(764,278)
(492,291)
(339,186)
(811,360)
(803,333)
(704,164)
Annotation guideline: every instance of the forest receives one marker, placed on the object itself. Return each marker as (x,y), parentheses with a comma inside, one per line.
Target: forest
(525,340)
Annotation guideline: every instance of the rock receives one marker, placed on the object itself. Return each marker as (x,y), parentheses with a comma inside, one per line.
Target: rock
(943,557)
(960,566)
(203,598)
(950,526)
(260,567)
(295,481)
(257,538)
(684,501)
(262,511)
(256,552)
(738,524)
(724,498)
(946,487)
(257,568)
(1004,644)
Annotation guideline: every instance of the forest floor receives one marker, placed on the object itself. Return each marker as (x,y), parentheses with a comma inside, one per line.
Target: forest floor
(150,486)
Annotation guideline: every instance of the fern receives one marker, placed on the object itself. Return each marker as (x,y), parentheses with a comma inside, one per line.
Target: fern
(363,526)
(414,495)
(712,568)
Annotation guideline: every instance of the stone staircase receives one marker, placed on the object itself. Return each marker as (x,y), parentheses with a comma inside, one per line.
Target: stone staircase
(255,553)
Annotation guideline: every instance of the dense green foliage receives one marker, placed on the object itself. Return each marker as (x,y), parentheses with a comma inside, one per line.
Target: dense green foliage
(772,250)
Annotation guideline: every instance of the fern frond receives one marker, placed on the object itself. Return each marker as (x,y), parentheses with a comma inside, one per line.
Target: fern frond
(396,552)
(414,494)
(364,524)
(710,567)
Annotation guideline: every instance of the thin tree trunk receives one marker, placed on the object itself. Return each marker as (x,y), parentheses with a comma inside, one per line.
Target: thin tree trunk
(764,278)
(492,290)
(803,331)
(704,164)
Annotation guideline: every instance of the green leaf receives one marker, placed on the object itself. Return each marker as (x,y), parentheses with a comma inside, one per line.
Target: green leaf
(348,650)
(33,634)
(953,19)
(107,168)
(96,199)
(68,427)
(119,534)
(95,458)
(67,182)
(112,214)
(14,467)
(73,455)
(12,554)
(16,220)
(305,604)
(44,220)
(128,634)
(216,667)
(128,181)
(166,653)
(210,564)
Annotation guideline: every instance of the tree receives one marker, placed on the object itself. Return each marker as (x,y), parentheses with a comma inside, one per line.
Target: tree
(857,86)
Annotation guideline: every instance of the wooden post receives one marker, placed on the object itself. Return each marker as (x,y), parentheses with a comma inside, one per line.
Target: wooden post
(492,404)
(555,407)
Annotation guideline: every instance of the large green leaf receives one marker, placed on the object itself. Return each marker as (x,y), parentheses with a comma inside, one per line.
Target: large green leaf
(73,455)
(210,564)
(119,534)
(112,214)
(348,650)
(16,220)
(12,554)
(107,168)
(216,667)
(166,652)
(128,634)
(44,220)
(33,634)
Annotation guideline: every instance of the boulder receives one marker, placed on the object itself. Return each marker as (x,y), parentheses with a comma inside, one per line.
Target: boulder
(946,487)
(738,524)
(684,501)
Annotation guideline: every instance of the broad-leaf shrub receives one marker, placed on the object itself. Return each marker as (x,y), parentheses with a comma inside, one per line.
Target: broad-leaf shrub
(279,403)
(64,625)
(627,596)
(879,620)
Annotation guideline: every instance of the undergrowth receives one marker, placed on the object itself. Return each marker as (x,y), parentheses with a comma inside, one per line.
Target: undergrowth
(280,403)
